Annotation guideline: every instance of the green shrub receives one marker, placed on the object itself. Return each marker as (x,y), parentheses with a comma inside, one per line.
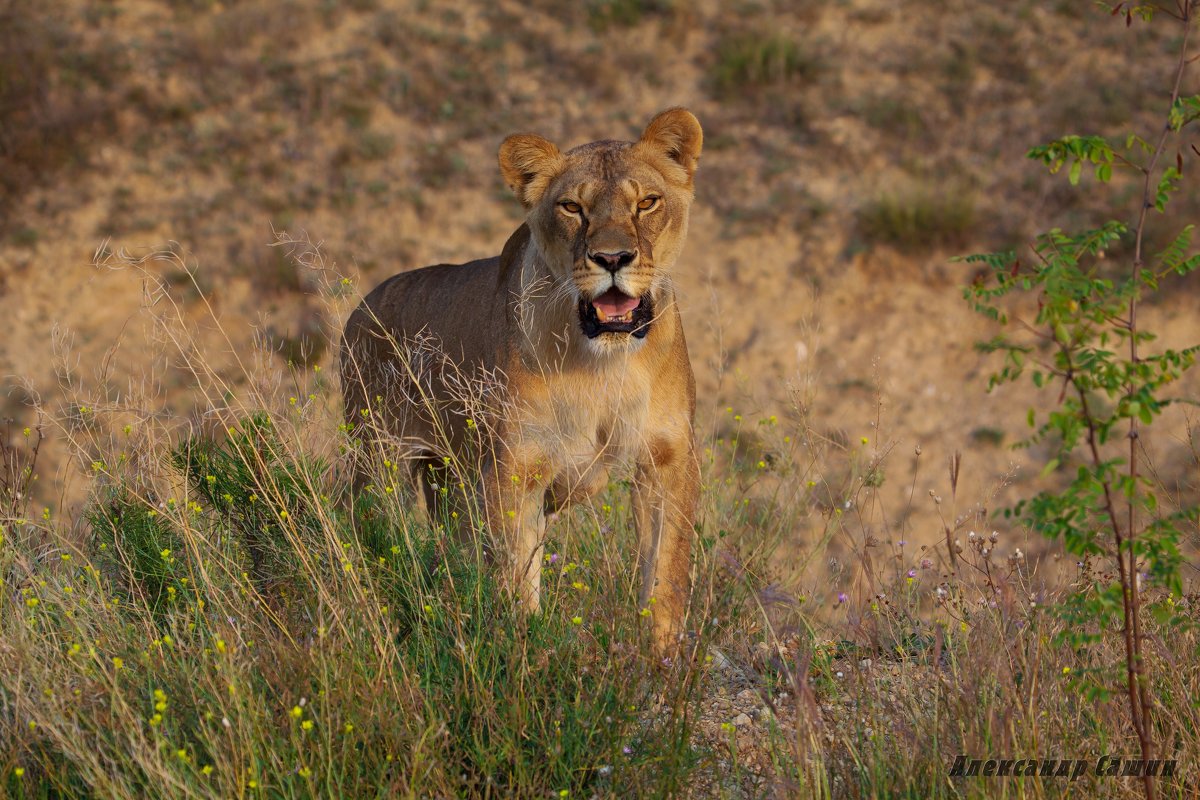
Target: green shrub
(138,545)
(255,488)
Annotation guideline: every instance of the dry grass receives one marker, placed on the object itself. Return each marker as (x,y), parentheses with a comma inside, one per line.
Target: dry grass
(919,218)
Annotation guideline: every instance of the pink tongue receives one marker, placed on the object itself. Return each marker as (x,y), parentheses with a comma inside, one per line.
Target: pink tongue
(615,303)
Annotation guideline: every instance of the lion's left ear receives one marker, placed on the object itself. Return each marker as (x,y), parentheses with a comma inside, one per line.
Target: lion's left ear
(676,133)
(528,163)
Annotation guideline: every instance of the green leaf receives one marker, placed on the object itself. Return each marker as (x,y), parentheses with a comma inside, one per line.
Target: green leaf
(1167,184)
(1145,414)
(1188,266)
(1051,465)
(1076,171)
(1173,254)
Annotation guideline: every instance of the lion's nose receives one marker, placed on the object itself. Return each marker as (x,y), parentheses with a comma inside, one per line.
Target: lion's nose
(613,261)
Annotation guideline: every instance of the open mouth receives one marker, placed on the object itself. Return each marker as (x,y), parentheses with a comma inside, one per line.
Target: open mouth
(616,312)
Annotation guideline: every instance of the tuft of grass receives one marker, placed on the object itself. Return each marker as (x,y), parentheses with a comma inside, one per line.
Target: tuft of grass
(375,146)
(26,237)
(985,435)
(755,60)
(440,165)
(137,546)
(896,116)
(605,14)
(919,219)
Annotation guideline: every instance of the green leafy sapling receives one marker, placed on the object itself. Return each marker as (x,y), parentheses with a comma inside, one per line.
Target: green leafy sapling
(1086,345)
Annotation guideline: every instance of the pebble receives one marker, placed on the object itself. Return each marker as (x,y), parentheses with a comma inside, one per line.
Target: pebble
(741,721)
(719,661)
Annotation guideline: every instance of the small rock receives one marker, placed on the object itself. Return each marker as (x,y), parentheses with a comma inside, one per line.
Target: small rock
(741,721)
(719,661)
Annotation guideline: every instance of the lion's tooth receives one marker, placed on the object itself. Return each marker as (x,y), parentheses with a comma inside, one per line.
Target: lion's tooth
(600,314)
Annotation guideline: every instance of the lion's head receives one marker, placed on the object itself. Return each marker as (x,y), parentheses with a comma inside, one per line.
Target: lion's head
(609,218)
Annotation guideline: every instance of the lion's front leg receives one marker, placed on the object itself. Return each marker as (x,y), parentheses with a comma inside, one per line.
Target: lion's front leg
(514,499)
(665,493)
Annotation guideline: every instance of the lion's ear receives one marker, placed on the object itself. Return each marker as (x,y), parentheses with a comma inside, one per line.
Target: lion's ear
(676,133)
(528,164)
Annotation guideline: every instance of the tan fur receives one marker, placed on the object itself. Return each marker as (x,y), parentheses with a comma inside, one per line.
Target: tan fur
(488,362)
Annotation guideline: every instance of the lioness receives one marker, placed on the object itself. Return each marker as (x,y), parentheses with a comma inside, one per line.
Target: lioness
(555,361)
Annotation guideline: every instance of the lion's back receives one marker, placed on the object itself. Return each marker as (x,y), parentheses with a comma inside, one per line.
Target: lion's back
(444,313)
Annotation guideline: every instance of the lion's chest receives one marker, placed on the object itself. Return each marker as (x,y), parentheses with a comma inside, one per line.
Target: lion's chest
(583,426)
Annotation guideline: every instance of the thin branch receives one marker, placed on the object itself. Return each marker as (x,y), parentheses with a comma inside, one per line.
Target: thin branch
(1131,601)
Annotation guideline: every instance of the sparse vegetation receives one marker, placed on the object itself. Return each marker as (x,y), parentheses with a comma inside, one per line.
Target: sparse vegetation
(919,218)
(55,94)
(988,436)
(603,14)
(748,61)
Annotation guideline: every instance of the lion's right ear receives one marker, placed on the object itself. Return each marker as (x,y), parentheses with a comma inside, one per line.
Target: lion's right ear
(528,163)
(676,134)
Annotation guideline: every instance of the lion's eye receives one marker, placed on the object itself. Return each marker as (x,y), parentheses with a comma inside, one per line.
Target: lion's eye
(647,203)
(570,207)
